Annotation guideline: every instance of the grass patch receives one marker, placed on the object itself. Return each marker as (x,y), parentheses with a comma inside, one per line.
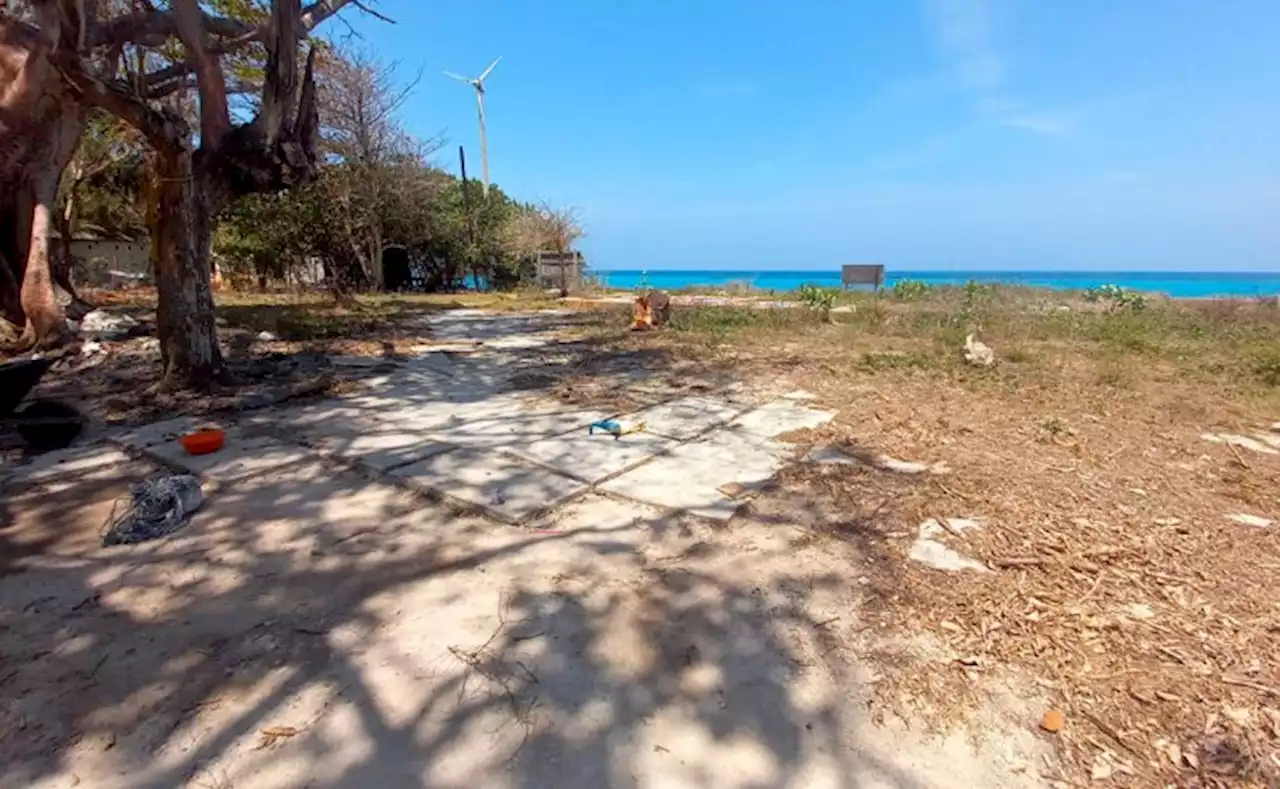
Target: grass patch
(1046,335)
(880,361)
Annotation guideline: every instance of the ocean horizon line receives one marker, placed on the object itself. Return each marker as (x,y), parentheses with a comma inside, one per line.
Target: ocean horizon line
(1176,284)
(888,270)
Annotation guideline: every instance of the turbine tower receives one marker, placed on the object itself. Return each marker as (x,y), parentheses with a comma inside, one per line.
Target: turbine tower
(478,84)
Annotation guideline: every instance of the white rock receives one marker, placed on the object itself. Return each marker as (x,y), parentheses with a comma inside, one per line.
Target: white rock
(827,454)
(100,325)
(978,354)
(1140,611)
(1102,769)
(266,336)
(90,348)
(932,553)
(938,556)
(1250,520)
(889,463)
(1244,442)
(800,394)
(1269,440)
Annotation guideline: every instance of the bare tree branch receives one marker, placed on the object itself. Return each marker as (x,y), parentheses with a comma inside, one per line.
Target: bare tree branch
(372,13)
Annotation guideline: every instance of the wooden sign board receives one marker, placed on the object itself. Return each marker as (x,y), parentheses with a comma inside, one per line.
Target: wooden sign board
(862,274)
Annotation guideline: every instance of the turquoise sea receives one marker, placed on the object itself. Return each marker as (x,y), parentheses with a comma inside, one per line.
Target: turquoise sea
(1178,284)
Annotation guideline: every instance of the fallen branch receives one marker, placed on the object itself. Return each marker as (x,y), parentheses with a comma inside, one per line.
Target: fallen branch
(1239,458)
(1244,683)
(1017,561)
(1112,733)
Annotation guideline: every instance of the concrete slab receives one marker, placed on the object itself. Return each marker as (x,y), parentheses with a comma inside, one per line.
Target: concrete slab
(593,457)
(507,329)
(381,449)
(92,461)
(461,416)
(686,417)
(506,488)
(335,416)
(780,417)
(516,427)
(243,455)
(168,430)
(690,475)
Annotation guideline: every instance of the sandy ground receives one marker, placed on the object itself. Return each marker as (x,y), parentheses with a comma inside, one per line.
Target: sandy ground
(319,623)
(391,644)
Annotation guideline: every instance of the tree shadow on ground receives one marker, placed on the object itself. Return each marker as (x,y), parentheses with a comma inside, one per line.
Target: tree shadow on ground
(389,642)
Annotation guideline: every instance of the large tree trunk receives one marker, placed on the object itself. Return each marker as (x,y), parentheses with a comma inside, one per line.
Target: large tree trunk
(45,323)
(64,260)
(40,126)
(181,227)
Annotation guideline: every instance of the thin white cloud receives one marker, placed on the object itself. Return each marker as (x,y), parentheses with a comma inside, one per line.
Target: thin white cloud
(964,31)
(966,36)
(1047,124)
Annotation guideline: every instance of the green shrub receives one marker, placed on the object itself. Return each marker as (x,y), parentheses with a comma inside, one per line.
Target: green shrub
(1117,298)
(910,289)
(817,299)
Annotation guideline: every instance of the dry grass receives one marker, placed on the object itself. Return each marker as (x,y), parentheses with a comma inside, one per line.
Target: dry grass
(1120,588)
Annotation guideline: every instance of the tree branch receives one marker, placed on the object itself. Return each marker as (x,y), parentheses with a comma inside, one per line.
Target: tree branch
(215,120)
(162,129)
(372,13)
(153,27)
(168,80)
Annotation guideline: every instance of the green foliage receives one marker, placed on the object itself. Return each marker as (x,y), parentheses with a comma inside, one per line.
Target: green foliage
(910,289)
(378,188)
(976,296)
(817,299)
(1117,298)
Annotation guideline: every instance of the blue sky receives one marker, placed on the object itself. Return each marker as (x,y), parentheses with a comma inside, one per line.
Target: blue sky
(925,134)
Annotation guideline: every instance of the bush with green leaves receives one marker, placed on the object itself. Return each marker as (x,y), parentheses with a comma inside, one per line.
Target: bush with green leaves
(910,289)
(1116,298)
(817,299)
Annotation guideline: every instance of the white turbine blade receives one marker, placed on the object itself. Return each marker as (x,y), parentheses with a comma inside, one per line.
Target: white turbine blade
(491,65)
(458,77)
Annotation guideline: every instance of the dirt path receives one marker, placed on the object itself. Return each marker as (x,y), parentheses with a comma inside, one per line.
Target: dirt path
(543,622)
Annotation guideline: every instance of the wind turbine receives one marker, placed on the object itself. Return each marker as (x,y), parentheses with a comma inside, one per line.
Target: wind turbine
(478,84)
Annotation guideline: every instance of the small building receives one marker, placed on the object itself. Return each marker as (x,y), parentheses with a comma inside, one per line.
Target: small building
(564,271)
(104,262)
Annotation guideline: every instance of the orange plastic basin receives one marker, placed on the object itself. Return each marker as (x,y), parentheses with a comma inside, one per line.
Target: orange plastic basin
(202,442)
